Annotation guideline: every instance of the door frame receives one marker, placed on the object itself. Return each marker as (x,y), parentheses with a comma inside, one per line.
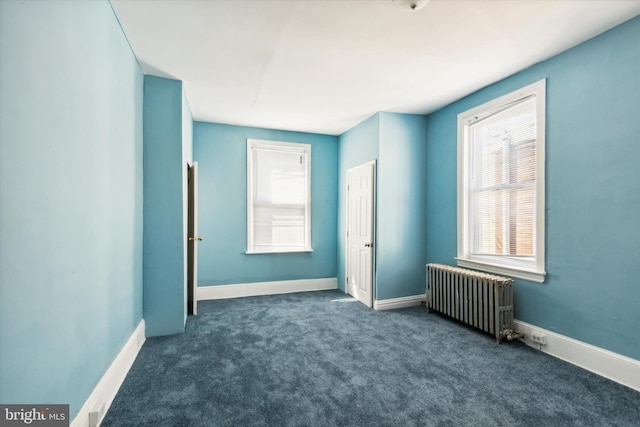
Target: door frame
(374,184)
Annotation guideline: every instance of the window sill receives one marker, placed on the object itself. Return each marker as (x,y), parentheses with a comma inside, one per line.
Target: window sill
(279,251)
(533,276)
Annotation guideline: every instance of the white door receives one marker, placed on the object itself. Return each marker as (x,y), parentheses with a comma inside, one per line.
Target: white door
(192,242)
(360,232)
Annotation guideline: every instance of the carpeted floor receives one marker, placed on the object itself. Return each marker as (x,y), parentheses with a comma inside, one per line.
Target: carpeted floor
(323,359)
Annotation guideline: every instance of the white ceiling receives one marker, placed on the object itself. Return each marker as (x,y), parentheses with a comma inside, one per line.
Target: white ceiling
(325,65)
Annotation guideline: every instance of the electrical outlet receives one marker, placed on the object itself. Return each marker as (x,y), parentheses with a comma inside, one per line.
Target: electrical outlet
(538,337)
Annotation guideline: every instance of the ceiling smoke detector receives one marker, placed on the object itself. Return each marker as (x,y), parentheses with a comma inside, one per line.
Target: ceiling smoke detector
(410,5)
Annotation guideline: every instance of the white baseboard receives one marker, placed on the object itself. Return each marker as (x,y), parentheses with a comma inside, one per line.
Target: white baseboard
(402,302)
(608,364)
(264,288)
(103,394)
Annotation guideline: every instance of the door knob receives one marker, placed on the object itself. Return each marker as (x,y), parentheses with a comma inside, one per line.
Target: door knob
(368,245)
(199,239)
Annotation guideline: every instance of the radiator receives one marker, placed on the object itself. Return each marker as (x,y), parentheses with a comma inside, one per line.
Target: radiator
(481,300)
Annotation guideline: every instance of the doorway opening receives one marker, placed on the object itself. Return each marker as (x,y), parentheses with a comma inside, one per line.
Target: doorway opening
(193,238)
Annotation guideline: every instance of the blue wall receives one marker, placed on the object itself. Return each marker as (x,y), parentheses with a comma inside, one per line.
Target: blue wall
(401,206)
(593,191)
(398,143)
(187,159)
(357,146)
(164,206)
(70,198)
(220,151)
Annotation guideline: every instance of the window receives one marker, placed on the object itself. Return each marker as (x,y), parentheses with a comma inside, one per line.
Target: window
(501,185)
(278,197)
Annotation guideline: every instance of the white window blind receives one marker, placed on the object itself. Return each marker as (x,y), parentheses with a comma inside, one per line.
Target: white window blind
(278,197)
(501,185)
(503,180)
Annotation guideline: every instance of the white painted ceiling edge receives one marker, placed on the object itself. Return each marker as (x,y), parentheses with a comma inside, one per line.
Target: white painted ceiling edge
(323,66)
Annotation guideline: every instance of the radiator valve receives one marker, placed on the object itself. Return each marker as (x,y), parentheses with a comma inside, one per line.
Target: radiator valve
(511,335)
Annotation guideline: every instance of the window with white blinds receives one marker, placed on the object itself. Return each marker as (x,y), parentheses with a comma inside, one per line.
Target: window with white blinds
(278,197)
(501,185)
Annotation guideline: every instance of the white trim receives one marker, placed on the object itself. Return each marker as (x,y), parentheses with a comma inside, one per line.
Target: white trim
(533,276)
(279,251)
(265,288)
(534,270)
(402,302)
(608,364)
(105,391)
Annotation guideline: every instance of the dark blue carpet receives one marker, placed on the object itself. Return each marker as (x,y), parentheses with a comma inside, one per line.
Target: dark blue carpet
(322,359)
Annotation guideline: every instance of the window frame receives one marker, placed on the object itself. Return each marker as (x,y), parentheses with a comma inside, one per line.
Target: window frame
(534,269)
(284,147)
